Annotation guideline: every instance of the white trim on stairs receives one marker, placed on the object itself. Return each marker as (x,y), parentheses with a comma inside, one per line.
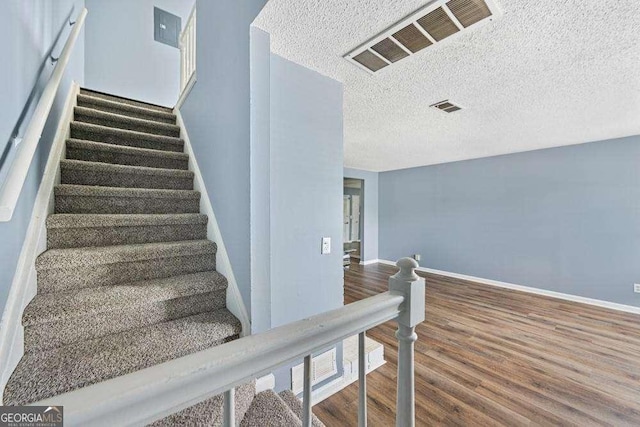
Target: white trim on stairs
(223,264)
(186,91)
(371,261)
(543,292)
(268,382)
(24,285)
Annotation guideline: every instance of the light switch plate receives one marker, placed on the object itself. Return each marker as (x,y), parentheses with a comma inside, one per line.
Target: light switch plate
(636,288)
(326,245)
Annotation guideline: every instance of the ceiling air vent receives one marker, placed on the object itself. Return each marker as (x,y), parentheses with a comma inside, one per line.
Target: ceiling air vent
(446,106)
(429,25)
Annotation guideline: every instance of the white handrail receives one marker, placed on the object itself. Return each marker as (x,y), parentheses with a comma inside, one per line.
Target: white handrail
(10,191)
(160,390)
(153,393)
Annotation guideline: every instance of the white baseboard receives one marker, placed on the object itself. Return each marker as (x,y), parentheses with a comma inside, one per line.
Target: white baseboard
(543,292)
(24,285)
(268,382)
(186,91)
(223,263)
(371,261)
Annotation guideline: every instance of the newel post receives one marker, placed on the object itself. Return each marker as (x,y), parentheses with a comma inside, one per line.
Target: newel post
(408,284)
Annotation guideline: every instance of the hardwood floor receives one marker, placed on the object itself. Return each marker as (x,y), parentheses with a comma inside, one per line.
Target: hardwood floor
(487,356)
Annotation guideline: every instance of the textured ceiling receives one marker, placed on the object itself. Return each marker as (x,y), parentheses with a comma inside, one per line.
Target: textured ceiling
(546,73)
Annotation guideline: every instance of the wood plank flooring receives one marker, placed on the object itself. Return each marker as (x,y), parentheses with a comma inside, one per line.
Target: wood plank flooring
(487,356)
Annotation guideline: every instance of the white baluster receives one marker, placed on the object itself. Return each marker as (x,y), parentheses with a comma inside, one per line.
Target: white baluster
(362,385)
(229,409)
(408,284)
(306,397)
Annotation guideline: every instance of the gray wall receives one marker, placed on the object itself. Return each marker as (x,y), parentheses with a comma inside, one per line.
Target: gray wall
(29,29)
(306,191)
(563,219)
(217,116)
(370,229)
(260,181)
(306,195)
(122,57)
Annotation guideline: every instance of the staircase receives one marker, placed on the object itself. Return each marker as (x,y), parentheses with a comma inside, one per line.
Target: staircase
(129,279)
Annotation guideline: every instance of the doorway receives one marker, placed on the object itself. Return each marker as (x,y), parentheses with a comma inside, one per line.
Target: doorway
(352,220)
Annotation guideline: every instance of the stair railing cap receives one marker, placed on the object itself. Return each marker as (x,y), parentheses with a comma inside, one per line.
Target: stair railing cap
(407,268)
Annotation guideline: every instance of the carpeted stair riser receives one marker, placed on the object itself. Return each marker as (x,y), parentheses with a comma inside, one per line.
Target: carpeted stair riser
(296,406)
(95,325)
(268,409)
(61,270)
(91,132)
(106,200)
(121,108)
(78,172)
(210,412)
(127,101)
(97,117)
(117,154)
(52,372)
(65,231)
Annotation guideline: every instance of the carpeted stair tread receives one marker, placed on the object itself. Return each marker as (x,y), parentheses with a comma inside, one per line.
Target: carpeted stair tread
(122,108)
(87,199)
(268,409)
(210,412)
(121,154)
(49,373)
(55,306)
(91,221)
(82,257)
(82,230)
(62,318)
(80,172)
(98,133)
(296,406)
(114,98)
(103,118)
(97,191)
(61,270)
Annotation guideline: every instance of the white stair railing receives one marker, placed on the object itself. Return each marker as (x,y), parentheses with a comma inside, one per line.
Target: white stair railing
(19,168)
(153,393)
(188,53)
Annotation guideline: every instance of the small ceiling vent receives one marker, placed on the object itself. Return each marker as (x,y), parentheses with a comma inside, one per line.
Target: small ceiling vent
(447,106)
(429,25)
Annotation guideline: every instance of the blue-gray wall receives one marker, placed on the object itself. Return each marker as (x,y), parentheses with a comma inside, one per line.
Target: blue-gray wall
(306,196)
(370,229)
(260,181)
(122,58)
(562,219)
(29,29)
(306,191)
(217,116)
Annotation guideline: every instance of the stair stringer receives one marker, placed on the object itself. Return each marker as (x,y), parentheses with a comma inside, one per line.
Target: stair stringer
(24,285)
(223,264)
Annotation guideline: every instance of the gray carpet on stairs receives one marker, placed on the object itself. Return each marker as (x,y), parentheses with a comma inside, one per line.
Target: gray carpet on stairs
(209,412)
(129,279)
(92,151)
(296,406)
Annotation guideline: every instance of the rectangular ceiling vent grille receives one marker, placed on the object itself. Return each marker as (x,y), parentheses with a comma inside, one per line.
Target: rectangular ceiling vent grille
(447,106)
(431,24)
